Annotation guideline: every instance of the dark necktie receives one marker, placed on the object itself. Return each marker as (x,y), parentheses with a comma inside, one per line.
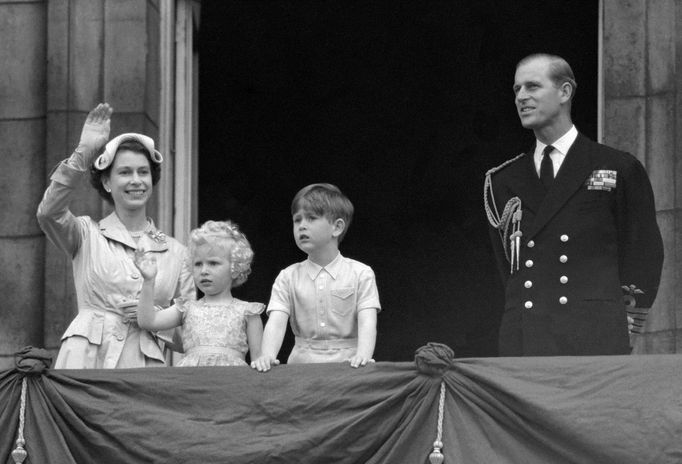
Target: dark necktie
(547,168)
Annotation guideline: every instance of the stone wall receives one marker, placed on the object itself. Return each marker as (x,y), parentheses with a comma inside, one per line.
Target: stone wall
(642,47)
(22,144)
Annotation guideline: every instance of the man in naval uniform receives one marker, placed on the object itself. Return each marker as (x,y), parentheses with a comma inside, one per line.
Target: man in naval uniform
(573,225)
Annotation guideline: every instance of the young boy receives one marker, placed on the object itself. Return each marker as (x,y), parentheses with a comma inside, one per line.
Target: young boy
(331,301)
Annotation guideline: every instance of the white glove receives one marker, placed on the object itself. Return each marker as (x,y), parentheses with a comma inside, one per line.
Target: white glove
(93,137)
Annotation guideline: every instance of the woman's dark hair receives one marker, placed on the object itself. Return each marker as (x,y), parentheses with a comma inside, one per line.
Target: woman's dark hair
(131,145)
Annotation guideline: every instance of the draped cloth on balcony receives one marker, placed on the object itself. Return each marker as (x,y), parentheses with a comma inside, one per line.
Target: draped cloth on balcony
(616,409)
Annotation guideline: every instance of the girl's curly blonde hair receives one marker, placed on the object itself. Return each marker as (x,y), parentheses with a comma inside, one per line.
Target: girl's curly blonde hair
(227,236)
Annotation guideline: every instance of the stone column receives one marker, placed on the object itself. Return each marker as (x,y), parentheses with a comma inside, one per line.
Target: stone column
(22,144)
(98,50)
(640,99)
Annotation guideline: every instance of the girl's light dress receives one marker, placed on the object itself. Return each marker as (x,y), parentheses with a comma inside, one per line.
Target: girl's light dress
(214,334)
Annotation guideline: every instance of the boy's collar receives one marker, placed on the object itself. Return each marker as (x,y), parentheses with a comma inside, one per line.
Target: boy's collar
(332,268)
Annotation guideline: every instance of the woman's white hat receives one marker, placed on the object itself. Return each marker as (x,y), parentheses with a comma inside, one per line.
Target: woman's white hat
(105,159)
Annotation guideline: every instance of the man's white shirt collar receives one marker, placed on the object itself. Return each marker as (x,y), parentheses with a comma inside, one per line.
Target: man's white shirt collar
(561,147)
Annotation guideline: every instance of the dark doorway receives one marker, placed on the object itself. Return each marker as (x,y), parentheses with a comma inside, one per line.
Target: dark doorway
(404,106)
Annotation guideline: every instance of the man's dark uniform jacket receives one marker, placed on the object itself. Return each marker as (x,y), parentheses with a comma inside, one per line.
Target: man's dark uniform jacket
(591,233)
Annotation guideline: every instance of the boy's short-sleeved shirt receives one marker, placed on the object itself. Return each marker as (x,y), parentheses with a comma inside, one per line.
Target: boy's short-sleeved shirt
(323,302)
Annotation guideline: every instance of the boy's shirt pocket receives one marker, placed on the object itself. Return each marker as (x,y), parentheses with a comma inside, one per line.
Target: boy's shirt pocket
(343,300)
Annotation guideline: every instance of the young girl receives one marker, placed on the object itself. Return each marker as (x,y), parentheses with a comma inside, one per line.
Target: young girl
(218,329)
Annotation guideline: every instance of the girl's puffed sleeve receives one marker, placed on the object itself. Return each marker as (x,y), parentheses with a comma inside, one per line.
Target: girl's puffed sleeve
(254,309)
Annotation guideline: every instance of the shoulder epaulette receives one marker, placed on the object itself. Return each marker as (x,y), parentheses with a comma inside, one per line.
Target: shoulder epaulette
(493,215)
(508,224)
(504,165)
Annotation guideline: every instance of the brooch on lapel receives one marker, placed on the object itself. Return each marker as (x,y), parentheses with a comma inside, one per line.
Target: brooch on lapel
(157,236)
(602,179)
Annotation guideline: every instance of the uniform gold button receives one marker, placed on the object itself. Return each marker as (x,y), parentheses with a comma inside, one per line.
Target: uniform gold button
(135,276)
(322,324)
(564,238)
(119,337)
(563,258)
(529,263)
(531,244)
(528,284)
(563,279)
(528,304)
(563,300)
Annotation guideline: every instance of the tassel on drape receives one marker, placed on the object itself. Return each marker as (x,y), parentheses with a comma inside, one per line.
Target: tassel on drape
(436,456)
(28,361)
(435,359)
(19,454)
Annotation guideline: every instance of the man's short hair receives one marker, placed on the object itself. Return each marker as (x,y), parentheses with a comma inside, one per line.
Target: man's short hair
(324,200)
(559,69)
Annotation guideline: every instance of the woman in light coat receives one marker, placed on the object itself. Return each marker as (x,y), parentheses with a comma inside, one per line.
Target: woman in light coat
(104,333)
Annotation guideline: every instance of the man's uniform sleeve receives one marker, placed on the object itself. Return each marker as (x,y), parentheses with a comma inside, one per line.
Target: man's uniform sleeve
(639,238)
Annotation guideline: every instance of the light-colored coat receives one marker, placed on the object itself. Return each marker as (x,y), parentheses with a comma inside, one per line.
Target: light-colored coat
(104,333)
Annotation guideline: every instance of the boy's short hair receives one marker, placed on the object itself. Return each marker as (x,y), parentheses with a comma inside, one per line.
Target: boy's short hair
(324,200)
(226,236)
